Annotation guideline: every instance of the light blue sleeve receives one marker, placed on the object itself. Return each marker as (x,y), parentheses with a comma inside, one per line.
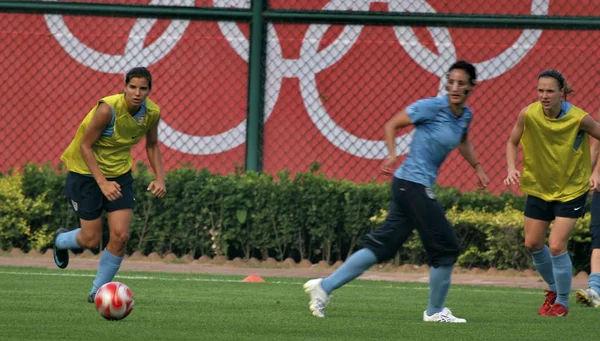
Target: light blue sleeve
(423,110)
(110,129)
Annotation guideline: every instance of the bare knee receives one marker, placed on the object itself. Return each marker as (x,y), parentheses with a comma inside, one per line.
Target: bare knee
(535,234)
(119,221)
(557,248)
(533,246)
(119,238)
(88,240)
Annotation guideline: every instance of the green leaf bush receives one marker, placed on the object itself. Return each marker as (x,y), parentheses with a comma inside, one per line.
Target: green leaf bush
(304,216)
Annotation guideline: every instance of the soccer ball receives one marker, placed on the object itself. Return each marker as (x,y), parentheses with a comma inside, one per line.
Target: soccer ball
(114,301)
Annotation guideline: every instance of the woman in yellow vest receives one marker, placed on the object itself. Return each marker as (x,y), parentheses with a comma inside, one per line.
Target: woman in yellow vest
(591,296)
(556,177)
(99,178)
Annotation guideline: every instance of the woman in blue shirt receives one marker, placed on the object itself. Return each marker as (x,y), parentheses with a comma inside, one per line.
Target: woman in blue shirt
(441,124)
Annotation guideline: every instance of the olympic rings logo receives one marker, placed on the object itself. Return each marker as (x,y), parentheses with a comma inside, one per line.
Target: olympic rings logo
(305,68)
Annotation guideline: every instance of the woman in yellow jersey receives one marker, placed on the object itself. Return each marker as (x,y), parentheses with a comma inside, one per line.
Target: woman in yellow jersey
(99,179)
(591,296)
(553,135)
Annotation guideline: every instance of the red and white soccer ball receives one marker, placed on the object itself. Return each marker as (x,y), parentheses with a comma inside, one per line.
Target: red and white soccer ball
(114,301)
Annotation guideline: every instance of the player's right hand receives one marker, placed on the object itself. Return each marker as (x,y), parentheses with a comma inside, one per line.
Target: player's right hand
(513,178)
(111,190)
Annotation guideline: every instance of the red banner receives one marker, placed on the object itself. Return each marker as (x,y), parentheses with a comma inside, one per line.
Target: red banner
(329,88)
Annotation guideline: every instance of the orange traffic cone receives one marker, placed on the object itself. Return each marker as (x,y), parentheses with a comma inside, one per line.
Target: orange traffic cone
(253,279)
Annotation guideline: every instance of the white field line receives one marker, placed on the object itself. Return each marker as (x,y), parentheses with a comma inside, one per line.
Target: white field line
(218,280)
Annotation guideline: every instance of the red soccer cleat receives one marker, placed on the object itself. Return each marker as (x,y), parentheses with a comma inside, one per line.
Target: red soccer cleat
(548,302)
(557,310)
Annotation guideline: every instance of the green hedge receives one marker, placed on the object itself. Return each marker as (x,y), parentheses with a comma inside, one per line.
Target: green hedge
(305,216)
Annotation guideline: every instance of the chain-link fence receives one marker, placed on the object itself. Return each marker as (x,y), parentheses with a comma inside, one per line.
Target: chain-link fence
(423,6)
(55,69)
(238,4)
(514,7)
(341,83)
(328,91)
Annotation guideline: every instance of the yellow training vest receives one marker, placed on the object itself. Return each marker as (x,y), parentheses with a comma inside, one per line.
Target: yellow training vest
(556,161)
(113,148)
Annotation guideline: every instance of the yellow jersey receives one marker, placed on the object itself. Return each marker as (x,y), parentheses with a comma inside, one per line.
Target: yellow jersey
(113,148)
(556,154)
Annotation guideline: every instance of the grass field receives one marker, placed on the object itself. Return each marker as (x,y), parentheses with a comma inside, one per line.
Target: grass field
(42,304)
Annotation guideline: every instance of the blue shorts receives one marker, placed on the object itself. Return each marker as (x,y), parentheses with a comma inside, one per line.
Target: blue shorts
(87,199)
(595,223)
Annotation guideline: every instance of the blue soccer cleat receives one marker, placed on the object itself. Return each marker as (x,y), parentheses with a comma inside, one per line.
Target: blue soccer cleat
(61,257)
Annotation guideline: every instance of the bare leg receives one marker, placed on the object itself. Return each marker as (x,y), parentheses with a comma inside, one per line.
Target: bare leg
(110,261)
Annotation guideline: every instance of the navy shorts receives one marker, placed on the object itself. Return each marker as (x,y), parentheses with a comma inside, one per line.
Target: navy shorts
(595,224)
(540,209)
(87,199)
(413,206)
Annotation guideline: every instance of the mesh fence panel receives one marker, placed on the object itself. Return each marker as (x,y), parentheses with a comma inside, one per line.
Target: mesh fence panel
(534,7)
(514,7)
(195,3)
(337,85)
(55,69)
(329,89)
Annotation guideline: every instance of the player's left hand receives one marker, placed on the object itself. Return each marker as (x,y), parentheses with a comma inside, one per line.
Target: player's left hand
(482,178)
(158,188)
(387,167)
(595,182)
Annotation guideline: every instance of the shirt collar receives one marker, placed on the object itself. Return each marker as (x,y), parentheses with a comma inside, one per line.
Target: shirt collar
(466,109)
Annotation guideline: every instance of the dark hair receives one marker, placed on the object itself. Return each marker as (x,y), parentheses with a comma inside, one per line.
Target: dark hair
(466,67)
(139,72)
(562,82)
